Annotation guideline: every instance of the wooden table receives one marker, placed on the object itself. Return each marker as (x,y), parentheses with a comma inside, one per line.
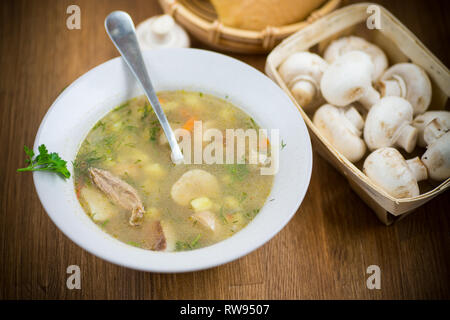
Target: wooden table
(322,253)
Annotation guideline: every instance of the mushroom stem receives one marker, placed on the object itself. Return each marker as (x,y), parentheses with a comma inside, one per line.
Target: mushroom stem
(417,168)
(355,118)
(304,89)
(395,86)
(370,97)
(407,137)
(433,131)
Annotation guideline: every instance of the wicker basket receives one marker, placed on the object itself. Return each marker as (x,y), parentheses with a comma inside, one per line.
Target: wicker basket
(400,45)
(200,19)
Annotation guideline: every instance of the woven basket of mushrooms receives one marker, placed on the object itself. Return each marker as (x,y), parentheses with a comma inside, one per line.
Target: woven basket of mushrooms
(375,114)
(360,104)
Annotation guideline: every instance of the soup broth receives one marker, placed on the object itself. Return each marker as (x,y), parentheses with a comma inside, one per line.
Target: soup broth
(126,182)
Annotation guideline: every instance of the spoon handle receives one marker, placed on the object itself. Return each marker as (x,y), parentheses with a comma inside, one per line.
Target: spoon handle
(120,29)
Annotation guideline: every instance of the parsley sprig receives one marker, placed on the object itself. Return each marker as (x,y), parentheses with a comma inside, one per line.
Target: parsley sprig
(45,161)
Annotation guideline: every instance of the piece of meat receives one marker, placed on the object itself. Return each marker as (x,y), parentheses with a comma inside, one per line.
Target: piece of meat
(156,238)
(120,192)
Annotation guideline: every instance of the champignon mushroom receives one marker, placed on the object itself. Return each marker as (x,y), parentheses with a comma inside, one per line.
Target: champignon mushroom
(388,124)
(387,168)
(346,44)
(194,184)
(302,72)
(437,156)
(342,128)
(422,120)
(348,79)
(408,81)
(205,218)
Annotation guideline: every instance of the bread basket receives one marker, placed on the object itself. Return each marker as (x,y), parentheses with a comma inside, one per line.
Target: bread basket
(200,19)
(400,45)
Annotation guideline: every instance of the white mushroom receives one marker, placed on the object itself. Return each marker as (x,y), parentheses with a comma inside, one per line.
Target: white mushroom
(194,184)
(408,81)
(387,168)
(437,156)
(388,124)
(302,72)
(349,79)
(205,218)
(342,128)
(346,44)
(422,120)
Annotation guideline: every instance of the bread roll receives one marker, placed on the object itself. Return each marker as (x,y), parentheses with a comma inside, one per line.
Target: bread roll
(258,14)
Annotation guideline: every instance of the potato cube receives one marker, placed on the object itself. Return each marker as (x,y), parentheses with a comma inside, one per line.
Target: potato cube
(201,204)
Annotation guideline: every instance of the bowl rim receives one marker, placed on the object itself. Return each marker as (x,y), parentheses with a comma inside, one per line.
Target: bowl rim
(84,244)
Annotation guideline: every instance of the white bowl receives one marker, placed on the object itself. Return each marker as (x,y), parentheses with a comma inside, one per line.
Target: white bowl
(95,93)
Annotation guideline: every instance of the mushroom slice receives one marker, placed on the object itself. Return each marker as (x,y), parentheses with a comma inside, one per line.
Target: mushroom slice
(206,218)
(194,184)
(120,193)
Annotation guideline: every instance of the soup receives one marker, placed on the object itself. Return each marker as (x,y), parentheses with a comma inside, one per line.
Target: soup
(126,182)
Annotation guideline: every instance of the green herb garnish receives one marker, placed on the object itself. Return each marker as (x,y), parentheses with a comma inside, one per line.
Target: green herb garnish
(154,130)
(238,171)
(104,223)
(98,125)
(282,144)
(45,161)
(242,197)
(146,111)
(253,124)
(123,105)
(250,215)
(185,245)
(222,217)
(135,244)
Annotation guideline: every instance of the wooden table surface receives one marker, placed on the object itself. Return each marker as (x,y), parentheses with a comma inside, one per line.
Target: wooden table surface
(322,253)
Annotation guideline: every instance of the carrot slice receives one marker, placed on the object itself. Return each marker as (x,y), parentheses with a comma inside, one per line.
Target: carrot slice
(161,100)
(189,124)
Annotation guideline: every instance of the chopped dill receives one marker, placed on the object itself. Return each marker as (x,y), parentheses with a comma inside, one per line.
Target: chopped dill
(98,125)
(238,171)
(185,245)
(123,105)
(135,244)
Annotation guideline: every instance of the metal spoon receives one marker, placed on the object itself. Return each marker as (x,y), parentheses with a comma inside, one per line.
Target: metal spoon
(120,29)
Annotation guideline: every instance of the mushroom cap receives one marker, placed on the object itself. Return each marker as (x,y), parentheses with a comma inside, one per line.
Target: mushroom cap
(343,45)
(194,184)
(418,85)
(347,79)
(340,131)
(302,63)
(437,158)
(302,72)
(387,168)
(422,120)
(385,120)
